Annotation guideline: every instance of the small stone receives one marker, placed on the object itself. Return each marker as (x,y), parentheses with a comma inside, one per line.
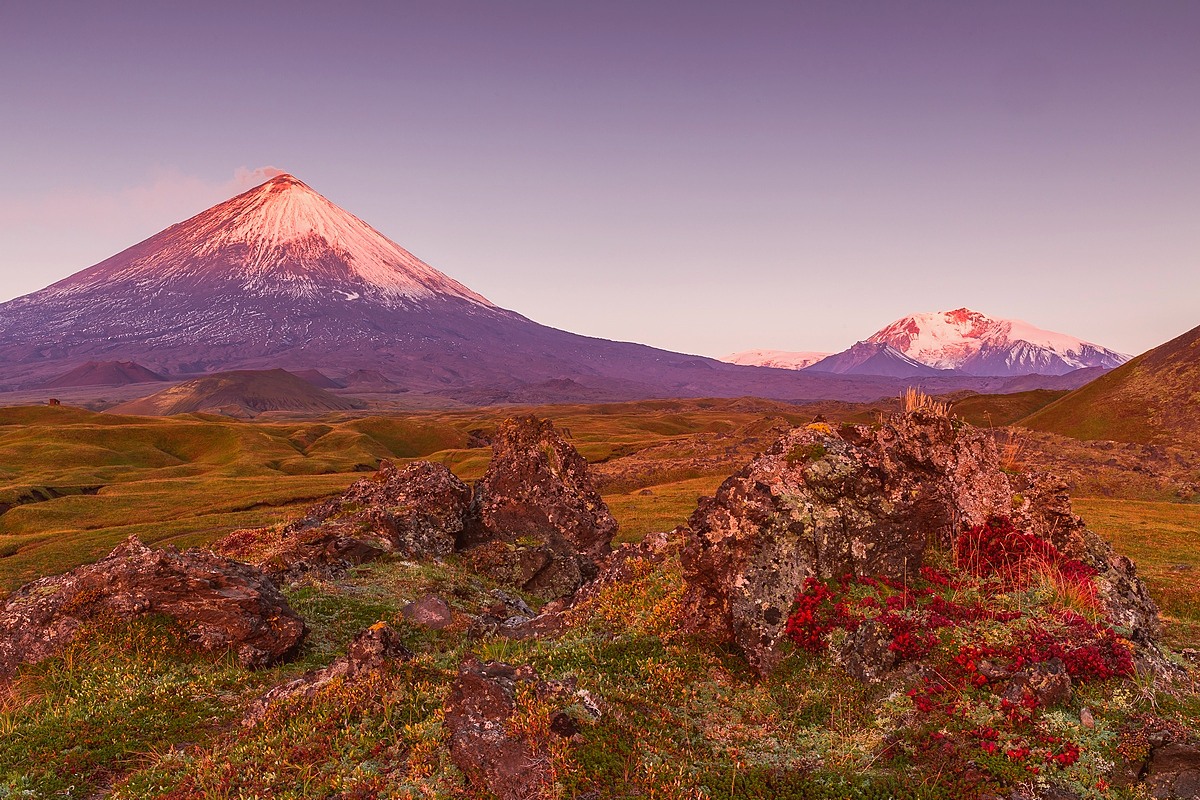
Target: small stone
(506,763)
(1086,718)
(430,612)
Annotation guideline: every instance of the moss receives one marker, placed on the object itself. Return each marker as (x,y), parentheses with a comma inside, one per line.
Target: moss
(804,453)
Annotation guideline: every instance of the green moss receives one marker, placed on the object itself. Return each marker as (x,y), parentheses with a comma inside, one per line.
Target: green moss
(803,453)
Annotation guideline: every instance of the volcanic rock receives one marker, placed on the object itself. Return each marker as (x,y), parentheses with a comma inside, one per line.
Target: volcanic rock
(220,603)
(867,502)
(369,654)
(1049,683)
(537,521)
(490,750)
(430,612)
(865,653)
(416,511)
(1042,506)
(1169,768)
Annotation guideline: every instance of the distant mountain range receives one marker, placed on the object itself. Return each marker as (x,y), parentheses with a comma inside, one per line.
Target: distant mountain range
(780,359)
(279,277)
(962,342)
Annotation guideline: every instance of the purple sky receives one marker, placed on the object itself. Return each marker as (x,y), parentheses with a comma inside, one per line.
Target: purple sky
(705,177)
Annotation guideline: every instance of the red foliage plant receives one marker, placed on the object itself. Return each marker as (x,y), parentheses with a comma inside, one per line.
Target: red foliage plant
(912,613)
(998,549)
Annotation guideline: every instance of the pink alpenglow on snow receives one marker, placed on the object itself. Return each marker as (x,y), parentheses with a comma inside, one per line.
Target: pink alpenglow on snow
(976,344)
(280,238)
(780,359)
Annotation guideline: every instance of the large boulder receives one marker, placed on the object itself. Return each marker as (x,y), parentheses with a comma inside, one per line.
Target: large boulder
(417,511)
(537,521)
(863,500)
(221,604)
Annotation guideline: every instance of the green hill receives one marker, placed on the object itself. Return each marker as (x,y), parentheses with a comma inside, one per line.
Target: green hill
(1153,399)
(242,393)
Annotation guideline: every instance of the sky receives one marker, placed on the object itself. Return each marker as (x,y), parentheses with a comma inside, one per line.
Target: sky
(705,177)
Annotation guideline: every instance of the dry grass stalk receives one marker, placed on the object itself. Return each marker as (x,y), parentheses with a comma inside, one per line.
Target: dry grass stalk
(914,399)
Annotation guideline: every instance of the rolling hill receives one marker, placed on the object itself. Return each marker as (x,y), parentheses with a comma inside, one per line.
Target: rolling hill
(241,393)
(1155,399)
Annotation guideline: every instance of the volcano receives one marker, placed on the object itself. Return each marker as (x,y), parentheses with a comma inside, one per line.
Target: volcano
(280,277)
(976,344)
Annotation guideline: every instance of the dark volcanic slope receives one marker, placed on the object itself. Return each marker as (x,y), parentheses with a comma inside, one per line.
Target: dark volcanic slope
(241,393)
(105,373)
(281,277)
(872,358)
(1155,398)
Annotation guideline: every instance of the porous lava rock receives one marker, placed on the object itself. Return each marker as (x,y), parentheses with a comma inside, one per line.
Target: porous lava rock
(537,521)
(865,654)
(868,501)
(430,611)
(220,603)
(1168,766)
(491,752)
(368,655)
(416,511)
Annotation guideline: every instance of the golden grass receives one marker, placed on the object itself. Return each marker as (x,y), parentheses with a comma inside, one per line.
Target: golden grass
(659,508)
(914,399)
(1163,539)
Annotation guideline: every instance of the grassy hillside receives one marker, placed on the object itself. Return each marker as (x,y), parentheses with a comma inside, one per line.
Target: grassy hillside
(135,712)
(241,393)
(74,483)
(997,410)
(1155,398)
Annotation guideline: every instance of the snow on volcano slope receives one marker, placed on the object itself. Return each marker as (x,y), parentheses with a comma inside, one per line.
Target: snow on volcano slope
(780,359)
(279,239)
(977,344)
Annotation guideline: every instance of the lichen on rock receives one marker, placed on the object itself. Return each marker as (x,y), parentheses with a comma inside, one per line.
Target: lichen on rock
(220,604)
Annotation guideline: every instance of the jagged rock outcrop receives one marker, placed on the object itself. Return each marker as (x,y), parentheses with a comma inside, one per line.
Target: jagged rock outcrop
(868,501)
(368,655)
(416,511)
(220,603)
(537,521)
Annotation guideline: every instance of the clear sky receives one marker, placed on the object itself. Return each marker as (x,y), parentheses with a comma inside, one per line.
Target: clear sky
(700,176)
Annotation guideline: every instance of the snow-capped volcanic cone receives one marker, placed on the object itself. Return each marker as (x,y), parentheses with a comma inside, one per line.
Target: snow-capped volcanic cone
(976,344)
(779,359)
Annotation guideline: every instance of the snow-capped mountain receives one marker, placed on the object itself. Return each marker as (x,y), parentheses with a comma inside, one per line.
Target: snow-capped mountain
(976,344)
(780,359)
(280,240)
